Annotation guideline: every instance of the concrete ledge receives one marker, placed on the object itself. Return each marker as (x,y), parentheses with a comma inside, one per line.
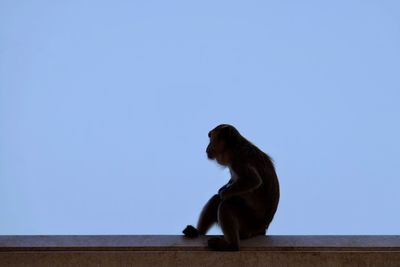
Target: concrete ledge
(165,250)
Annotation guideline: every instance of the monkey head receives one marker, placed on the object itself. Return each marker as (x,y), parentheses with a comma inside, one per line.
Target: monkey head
(223,140)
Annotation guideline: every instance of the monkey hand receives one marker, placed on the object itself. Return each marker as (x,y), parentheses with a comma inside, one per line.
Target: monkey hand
(190,231)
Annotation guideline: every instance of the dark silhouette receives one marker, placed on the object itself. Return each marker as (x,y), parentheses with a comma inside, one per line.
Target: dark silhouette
(246,205)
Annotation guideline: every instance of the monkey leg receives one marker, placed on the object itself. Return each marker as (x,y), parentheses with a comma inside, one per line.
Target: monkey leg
(237,222)
(228,219)
(208,215)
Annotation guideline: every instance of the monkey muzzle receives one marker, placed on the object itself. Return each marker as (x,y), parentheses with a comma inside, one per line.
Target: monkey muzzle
(210,152)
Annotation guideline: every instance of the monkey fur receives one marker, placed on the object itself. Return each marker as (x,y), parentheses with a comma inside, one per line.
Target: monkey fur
(246,205)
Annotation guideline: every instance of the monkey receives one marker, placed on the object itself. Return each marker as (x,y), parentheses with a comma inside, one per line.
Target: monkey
(246,205)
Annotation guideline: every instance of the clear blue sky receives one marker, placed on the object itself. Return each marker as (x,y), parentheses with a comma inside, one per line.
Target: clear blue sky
(105,108)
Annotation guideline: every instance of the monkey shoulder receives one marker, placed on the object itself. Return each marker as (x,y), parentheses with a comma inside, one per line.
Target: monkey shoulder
(245,168)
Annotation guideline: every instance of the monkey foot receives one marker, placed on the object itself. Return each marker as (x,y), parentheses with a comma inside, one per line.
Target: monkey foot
(220,244)
(190,231)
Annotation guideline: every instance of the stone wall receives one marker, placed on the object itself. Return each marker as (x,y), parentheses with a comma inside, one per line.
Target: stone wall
(167,250)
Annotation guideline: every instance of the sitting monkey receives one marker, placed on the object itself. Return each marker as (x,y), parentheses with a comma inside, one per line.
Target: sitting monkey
(245,206)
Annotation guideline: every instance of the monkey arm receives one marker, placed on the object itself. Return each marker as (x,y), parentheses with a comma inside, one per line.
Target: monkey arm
(246,181)
(225,186)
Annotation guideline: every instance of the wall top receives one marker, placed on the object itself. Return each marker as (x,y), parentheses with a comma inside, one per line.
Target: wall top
(179,243)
